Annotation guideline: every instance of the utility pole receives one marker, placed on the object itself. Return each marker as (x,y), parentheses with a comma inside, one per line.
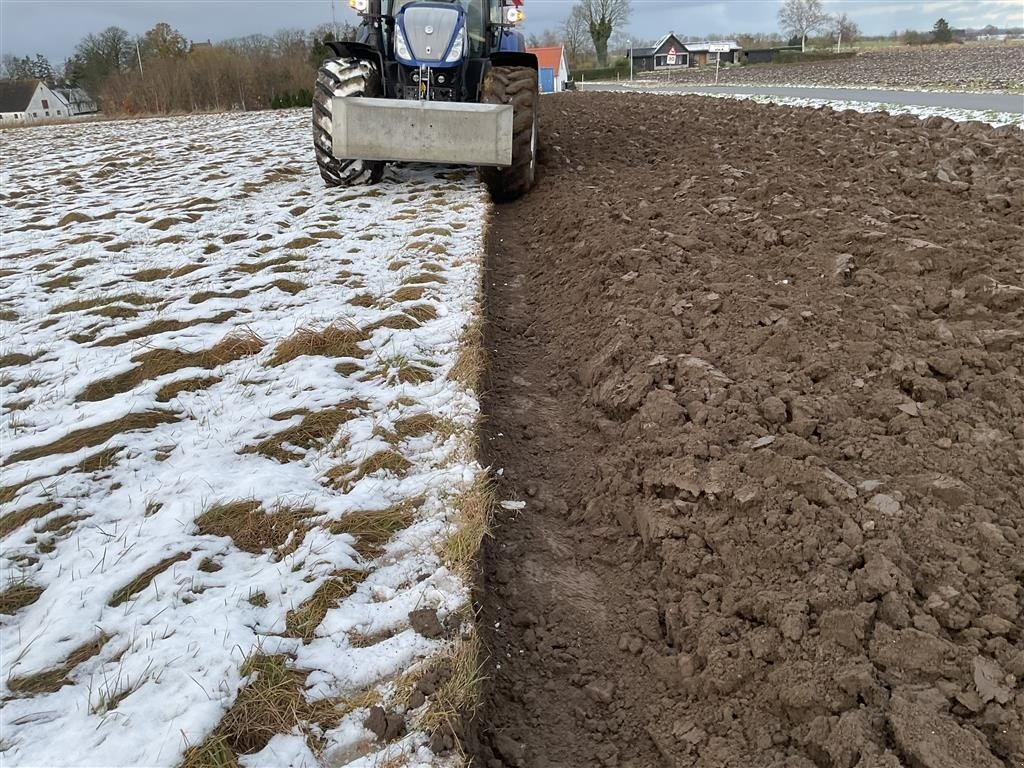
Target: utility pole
(334,21)
(138,53)
(631,60)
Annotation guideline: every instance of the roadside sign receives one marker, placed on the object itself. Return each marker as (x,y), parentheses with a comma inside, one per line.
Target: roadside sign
(719,48)
(671,58)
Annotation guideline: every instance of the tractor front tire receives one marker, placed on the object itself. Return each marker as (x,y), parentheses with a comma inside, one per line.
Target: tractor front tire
(349,78)
(516,86)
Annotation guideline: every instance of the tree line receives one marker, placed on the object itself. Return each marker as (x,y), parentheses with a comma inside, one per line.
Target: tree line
(161,72)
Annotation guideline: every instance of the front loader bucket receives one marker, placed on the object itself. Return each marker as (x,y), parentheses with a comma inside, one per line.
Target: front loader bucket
(422,131)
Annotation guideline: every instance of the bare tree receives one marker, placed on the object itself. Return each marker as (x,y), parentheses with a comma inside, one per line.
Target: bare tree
(602,17)
(801,17)
(546,39)
(845,29)
(575,36)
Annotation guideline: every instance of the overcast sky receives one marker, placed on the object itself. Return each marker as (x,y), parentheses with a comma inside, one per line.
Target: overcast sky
(53,27)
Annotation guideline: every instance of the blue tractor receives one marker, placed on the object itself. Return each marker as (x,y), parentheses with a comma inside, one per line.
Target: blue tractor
(439,81)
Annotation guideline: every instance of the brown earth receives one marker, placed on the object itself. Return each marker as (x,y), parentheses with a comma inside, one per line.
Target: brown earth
(957,67)
(761,386)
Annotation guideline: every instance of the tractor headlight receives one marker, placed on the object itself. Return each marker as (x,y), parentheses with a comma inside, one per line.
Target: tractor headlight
(457,47)
(401,46)
(514,15)
(359,6)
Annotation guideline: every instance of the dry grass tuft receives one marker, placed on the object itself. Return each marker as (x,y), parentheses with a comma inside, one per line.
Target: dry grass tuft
(160,362)
(186,270)
(99,461)
(251,528)
(93,436)
(135,299)
(345,369)
(374,529)
(456,699)
(415,426)
(166,223)
(317,428)
(12,521)
(149,275)
(59,523)
(409,293)
(471,361)
(272,702)
(301,242)
(73,218)
(422,312)
(424,277)
(289,286)
(201,296)
(471,523)
(332,341)
(303,621)
(258,600)
(363,300)
(8,315)
(400,322)
(168,392)
(16,358)
(439,231)
(66,280)
(163,326)
(18,595)
(115,312)
(343,476)
(143,580)
(252,267)
(51,680)
(423,246)
(402,369)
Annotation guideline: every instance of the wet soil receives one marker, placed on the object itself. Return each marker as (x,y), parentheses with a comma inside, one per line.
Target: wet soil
(758,374)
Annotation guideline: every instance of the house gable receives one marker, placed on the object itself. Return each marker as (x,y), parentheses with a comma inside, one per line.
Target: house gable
(667,43)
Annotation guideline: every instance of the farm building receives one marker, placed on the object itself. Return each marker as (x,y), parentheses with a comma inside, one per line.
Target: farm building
(554,70)
(764,55)
(701,54)
(22,100)
(77,101)
(668,52)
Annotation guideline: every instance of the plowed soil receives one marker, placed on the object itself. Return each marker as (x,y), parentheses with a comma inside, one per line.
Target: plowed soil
(758,374)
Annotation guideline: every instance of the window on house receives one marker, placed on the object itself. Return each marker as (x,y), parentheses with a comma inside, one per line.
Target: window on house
(59,112)
(35,114)
(46,104)
(47,113)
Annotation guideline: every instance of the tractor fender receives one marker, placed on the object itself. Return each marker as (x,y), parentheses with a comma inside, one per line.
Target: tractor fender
(513,59)
(346,49)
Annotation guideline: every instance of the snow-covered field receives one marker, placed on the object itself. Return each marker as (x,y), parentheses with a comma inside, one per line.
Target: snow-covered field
(237,419)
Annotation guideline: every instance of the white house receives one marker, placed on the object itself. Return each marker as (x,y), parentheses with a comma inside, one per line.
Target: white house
(553,70)
(78,102)
(28,101)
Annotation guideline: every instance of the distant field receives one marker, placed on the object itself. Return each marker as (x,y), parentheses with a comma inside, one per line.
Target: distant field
(960,67)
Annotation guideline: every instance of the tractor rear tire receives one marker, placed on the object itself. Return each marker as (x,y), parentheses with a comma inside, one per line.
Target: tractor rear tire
(516,86)
(349,78)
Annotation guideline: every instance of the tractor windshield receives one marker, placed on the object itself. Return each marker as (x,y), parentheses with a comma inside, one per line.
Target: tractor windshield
(479,14)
